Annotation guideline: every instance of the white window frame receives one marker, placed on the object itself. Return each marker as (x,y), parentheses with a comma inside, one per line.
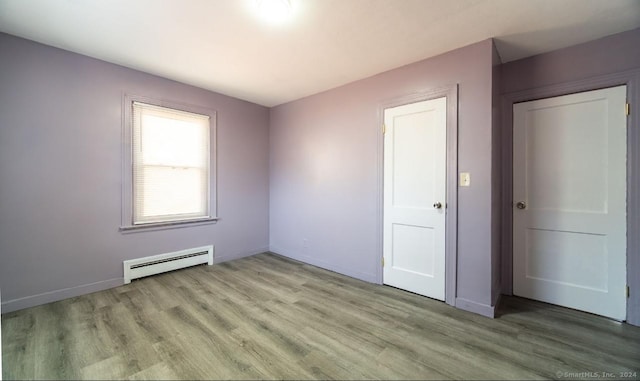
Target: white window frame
(127,215)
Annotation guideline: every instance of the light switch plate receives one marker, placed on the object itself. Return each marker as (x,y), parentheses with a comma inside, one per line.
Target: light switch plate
(465,179)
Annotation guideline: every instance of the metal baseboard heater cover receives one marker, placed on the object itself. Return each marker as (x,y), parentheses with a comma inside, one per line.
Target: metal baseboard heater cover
(156,264)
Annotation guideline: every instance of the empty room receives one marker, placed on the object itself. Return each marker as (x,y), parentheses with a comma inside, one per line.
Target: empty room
(320,189)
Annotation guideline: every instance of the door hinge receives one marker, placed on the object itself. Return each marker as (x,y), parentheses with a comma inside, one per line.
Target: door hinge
(382,261)
(384,129)
(627,109)
(628,292)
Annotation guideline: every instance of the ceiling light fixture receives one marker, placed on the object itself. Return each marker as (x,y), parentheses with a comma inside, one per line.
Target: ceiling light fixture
(275,11)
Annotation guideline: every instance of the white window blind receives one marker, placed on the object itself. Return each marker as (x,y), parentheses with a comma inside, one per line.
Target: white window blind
(170,164)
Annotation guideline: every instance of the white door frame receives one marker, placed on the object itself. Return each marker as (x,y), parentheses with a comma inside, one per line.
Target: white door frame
(451,223)
(632,80)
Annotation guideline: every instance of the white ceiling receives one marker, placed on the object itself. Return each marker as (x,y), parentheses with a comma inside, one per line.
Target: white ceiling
(223,46)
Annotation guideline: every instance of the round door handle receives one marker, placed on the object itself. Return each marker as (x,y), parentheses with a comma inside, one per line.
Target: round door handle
(437,205)
(521,205)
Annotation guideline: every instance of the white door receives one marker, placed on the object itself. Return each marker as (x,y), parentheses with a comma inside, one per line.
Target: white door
(414,197)
(569,201)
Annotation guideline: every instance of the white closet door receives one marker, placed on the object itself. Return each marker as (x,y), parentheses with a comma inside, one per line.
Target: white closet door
(569,193)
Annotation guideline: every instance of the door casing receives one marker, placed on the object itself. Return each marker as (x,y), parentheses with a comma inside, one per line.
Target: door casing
(632,80)
(451,93)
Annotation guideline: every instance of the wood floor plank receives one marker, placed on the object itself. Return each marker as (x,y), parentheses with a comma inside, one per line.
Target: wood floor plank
(269,317)
(159,371)
(19,343)
(112,368)
(342,356)
(53,356)
(268,357)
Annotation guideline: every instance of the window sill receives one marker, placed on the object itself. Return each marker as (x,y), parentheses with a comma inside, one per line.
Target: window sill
(167,225)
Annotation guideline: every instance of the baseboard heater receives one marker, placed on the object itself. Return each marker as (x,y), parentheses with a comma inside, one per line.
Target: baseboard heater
(156,264)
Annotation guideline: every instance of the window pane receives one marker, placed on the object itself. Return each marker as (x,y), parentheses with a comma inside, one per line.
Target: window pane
(173,142)
(172,191)
(171,164)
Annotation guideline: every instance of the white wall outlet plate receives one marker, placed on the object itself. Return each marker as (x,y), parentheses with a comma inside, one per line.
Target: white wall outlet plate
(465,179)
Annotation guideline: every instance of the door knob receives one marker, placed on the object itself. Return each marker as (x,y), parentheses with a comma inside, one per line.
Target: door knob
(521,205)
(437,205)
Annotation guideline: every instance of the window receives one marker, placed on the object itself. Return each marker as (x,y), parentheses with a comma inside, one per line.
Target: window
(170,165)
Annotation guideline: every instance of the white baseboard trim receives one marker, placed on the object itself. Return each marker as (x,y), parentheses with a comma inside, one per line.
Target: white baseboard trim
(371,278)
(477,308)
(56,295)
(70,292)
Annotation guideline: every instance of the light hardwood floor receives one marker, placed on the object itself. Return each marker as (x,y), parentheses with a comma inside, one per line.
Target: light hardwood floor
(268,317)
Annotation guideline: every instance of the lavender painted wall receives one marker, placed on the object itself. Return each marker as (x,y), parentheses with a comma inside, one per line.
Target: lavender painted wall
(612,54)
(325,195)
(606,62)
(60,174)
